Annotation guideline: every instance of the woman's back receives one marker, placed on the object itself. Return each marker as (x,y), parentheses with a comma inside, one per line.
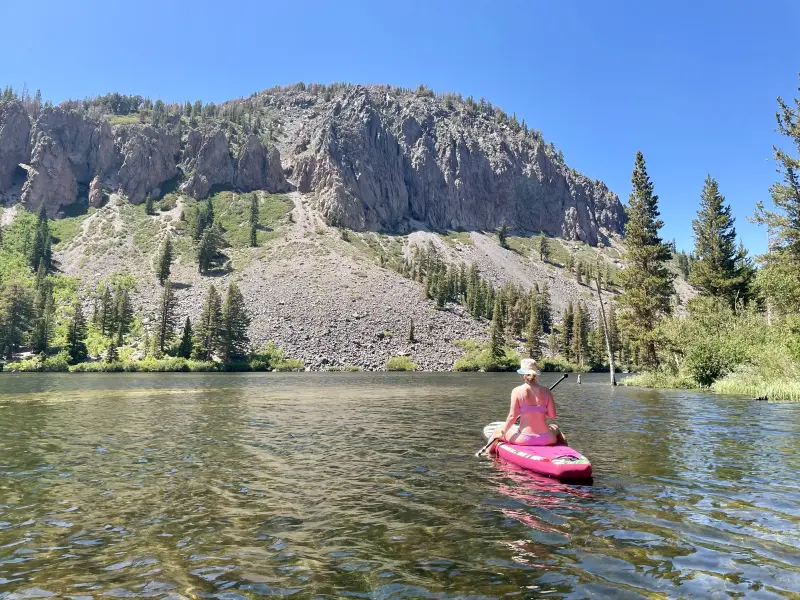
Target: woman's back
(535,404)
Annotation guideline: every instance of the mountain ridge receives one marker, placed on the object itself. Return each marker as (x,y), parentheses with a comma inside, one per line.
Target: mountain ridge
(377,158)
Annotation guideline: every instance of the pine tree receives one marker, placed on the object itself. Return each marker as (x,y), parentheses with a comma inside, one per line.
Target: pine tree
(16,313)
(715,273)
(534,331)
(207,251)
(613,330)
(579,272)
(45,312)
(498,339)
(235,322)
(42,242)
(207,332)
(148,206)
(577,342)
(544,248)
(570,266)
(646,282)
(123,312)
(185,347)
(553,343)
(76,335)
(566,330)
(502,234)
(544,308)
(411,337)
(253,221)
(165,329)
(105,319)
(164,260)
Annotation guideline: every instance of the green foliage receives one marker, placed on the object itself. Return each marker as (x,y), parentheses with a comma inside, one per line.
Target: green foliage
(148,206)
(560,365)
(346,368)
(16,315)
(209,326)
(497,343)
(164,263)
(502,235)
(41,364)
(185,347)
(646,281)
(233,340)
(76,335)
(400,363)
(720,269)
(479,357)
(165,328)
(411,337)
(270,358)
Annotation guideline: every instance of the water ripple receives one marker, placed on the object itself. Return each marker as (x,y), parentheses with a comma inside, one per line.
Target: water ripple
(250,486)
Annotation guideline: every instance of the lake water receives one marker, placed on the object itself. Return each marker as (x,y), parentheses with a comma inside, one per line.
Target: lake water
(359,485)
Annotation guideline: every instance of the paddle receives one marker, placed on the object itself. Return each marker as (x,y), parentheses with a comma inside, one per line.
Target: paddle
(493,440)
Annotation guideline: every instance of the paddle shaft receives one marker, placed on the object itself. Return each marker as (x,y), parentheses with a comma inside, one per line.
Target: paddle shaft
(493,440)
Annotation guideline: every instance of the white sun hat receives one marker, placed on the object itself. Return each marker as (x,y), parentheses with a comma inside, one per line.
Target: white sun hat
(528,366)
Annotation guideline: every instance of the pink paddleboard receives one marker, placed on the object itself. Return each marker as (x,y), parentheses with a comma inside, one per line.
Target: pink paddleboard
(559,461)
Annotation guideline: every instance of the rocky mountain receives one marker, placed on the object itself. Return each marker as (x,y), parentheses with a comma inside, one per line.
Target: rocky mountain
(376,158)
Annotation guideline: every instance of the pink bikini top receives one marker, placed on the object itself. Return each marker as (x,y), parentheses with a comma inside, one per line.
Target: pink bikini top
(526,408)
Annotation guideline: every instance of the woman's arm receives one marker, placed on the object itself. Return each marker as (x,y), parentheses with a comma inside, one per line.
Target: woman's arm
(551,406)
(513,413)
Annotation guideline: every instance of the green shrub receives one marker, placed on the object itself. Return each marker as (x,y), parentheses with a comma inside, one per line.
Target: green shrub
(400,363)
(351,368)
(659,379)
(479,358)
(58,363)
(560,365)
(290,364)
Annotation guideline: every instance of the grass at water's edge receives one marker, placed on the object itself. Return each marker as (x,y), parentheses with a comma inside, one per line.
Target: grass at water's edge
(775,389)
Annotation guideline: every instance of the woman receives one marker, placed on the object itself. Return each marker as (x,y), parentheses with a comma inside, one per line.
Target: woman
(533,404)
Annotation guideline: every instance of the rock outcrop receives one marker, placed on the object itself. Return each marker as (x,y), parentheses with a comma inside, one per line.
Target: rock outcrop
(14,133)
(50,179)
(148,160)
(377,162)
(376,158)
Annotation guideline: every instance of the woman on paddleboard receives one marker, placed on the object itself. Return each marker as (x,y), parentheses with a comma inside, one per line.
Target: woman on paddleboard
(533,404)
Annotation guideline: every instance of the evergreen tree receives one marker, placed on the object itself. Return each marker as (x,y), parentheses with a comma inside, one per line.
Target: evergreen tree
(544,307)
(570,266)
(165,329)
(646,282)
(235,322)
(207,250)
(502,234)
(411,337)
(45,313)
(498,339)
(16,313)
(577,330)
(779,278)
(112,354)
(42,242)
(534,332)
(553,343)
(579,272)
(683,265)
(76,335)
(207,333)
(185,347)
(544,248)
(164,260)
(566,330)
(123,312)
(253,220)
(613,330)
(105,320)
(715,270)
(148,206)
(608,277)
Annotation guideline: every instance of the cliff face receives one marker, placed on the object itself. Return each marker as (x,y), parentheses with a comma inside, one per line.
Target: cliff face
(377,161)
(376,158)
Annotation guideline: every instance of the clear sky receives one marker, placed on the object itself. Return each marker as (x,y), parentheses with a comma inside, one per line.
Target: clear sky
(693,84)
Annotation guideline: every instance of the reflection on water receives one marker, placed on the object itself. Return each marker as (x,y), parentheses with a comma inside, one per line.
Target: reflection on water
(365,485)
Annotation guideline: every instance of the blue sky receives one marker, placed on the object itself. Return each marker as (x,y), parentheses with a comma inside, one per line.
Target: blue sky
(691,84)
